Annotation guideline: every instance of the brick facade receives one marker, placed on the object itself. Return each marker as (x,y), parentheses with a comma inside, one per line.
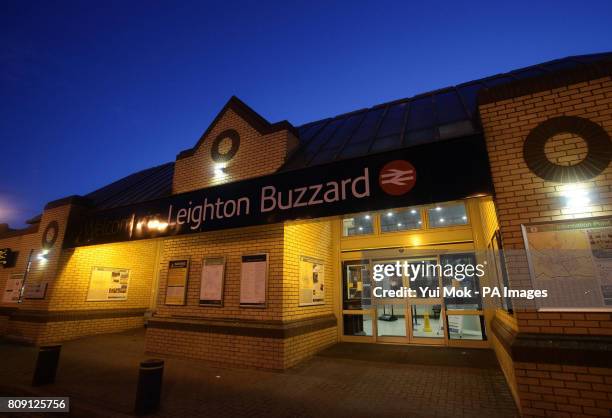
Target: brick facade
(547,388)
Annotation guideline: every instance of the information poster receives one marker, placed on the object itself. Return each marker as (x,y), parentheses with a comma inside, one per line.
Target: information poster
(107,283)
(212,281)
(573,260)
(312,290)
(34,290)
(12,289)
(176,285)
(253,280)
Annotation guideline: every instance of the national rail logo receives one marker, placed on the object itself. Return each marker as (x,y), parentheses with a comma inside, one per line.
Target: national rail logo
(397,177)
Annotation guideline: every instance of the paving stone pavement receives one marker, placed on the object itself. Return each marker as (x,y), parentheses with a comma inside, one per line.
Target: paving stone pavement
(348,380)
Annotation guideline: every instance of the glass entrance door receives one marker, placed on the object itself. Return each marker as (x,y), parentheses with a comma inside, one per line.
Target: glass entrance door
(418,319)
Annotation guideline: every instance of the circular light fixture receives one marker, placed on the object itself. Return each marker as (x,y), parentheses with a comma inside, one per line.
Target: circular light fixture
(49,236)
(599,149)
(215,151)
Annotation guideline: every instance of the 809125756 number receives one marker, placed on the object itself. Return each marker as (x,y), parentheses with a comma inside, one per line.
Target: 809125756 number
(39,404)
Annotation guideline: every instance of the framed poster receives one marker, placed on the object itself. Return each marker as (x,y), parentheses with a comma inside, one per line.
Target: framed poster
(107,283)
(212,281)
(34,290)
(176,284)
(572,259)
(254,280)
(12,289)
(312,278)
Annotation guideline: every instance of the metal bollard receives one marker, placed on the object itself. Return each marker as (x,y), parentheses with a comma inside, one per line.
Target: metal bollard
(46,365)
(148,393)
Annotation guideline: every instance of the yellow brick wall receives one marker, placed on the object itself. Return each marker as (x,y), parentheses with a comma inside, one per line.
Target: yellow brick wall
(67,273)
(284,243)
(232,244)
(40,270)
(488,217)
(298,348)
(561,390)
(503,357)
(258,155)
(69,291)
(266,353)
(312,239)
(522,197)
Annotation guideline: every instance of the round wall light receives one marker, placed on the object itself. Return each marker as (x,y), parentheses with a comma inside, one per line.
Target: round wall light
(597,159)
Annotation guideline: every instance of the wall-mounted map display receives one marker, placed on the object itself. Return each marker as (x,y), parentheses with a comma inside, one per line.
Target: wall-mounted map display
(12,289)
(212,281)
(253,280)
(573,260)
(176,284)
(312,277)
(108,283)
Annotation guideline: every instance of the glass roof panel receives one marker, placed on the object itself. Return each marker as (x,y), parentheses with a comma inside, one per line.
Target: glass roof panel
(449,108)
(394,119)
(367,129)
(355,150)
(323,136)
(469,93)
(421,113)
(344,132)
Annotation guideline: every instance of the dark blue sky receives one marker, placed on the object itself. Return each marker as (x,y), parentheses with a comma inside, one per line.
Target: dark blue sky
(93,91)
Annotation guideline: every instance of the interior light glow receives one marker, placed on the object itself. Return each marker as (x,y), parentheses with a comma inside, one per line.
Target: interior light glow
(441,220)
(389,214)
(367,216)
(413,211)
(464,218)
(438,208)
(399,224)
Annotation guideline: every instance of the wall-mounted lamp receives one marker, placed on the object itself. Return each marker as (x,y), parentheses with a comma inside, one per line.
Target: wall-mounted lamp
(43,256)
(220,170)
(576,198)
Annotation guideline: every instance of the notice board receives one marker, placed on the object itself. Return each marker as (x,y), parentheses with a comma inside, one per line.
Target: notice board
(312,277)
(108,283)
(13,288)
(176,284)
(572,259)
(212,281)
(254,280)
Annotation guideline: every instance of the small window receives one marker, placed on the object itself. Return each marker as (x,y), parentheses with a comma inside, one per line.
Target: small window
(358,225)
(400,220)
(442,216)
